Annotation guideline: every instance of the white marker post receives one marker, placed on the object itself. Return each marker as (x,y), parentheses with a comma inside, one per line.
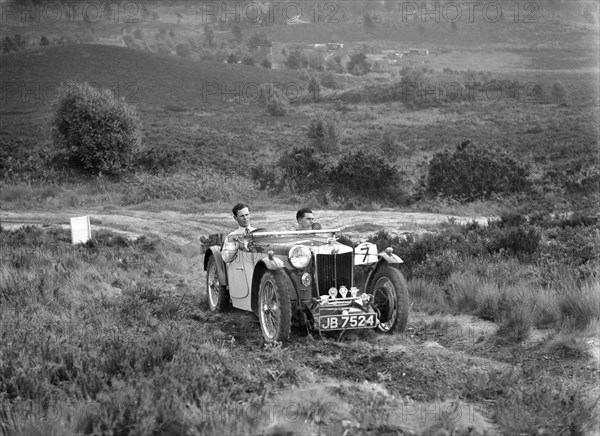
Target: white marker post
(81,231)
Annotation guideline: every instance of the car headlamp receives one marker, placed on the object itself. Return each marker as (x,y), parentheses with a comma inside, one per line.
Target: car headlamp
(332,292)
(354,291)
(299,256)
(365,297)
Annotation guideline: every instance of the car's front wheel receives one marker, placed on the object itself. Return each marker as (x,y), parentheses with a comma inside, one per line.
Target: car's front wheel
(274,307)
(390,297)
(218,295)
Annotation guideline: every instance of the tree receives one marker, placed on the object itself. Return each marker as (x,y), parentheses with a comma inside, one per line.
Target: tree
(258,40)
(182,49)
(94,130)
(248,60)
(44,41)
(559,93)
(365,174)
(368,22)
(277,105)
(474,172)
(294,60)
(8,45)
(210,35)
(358,64)
(313,88)
(303,170)
(266,64)
(237,33)
(20,43)
(323,134)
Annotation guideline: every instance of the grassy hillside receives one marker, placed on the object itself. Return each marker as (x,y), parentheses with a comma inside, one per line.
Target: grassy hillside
(142,78)
(200,114)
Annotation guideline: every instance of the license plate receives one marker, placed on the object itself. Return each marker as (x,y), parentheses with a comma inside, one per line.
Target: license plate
(344,322)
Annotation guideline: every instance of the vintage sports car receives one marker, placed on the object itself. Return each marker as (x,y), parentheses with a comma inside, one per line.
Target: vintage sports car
(307,276)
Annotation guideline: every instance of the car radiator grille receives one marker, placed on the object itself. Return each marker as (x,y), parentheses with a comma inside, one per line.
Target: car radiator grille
(333,270)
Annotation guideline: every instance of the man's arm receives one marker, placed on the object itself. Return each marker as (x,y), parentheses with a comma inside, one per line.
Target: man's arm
(230,248)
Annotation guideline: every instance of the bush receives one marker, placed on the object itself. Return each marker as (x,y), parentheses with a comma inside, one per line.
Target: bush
(302,170)
(358,64)
(248,60)
(323,134)
(95,130)
(559,93)
(277,105)
(474,172)
(182,49)
(367,175)
(328,80)
(266,64)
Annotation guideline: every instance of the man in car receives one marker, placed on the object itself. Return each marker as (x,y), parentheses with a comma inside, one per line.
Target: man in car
(235,239)
(305,219)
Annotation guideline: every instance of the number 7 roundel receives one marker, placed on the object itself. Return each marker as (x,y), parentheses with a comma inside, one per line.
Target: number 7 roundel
(365,253)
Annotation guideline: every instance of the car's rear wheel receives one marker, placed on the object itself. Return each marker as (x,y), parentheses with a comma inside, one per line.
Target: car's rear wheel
(274,307)
(390,297)
(218,295)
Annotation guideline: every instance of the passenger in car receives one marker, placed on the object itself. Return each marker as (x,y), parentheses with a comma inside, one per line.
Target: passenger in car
(235,240)
(305,219)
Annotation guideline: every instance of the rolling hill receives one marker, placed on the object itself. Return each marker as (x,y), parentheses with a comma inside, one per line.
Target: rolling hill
(30,79)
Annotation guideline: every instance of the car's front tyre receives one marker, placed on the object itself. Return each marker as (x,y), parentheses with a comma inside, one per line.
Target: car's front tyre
(274,307)
(218,295)
(390,297)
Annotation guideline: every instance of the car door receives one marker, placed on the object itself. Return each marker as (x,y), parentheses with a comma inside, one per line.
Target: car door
(236,274)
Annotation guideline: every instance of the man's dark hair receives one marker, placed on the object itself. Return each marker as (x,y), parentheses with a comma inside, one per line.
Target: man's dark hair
(300,214)
(237,208)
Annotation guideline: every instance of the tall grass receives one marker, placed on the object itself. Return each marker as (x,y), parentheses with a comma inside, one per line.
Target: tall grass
(96,339)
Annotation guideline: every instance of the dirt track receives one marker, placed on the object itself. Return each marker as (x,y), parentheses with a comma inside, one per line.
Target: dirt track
(183,228)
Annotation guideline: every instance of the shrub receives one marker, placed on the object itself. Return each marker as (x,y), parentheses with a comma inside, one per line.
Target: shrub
(95,130)
(358,64)
(44,41)
(266,64)
(248,60)
(391,146)
(559,93)
(367,175)
(323,134)
(328,80)
(474,172)
(302,170)
(277,106)
(182,49)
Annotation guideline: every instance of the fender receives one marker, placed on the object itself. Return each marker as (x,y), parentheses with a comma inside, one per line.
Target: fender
(272,263)
(383,260)
(390,258)
(221,269)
